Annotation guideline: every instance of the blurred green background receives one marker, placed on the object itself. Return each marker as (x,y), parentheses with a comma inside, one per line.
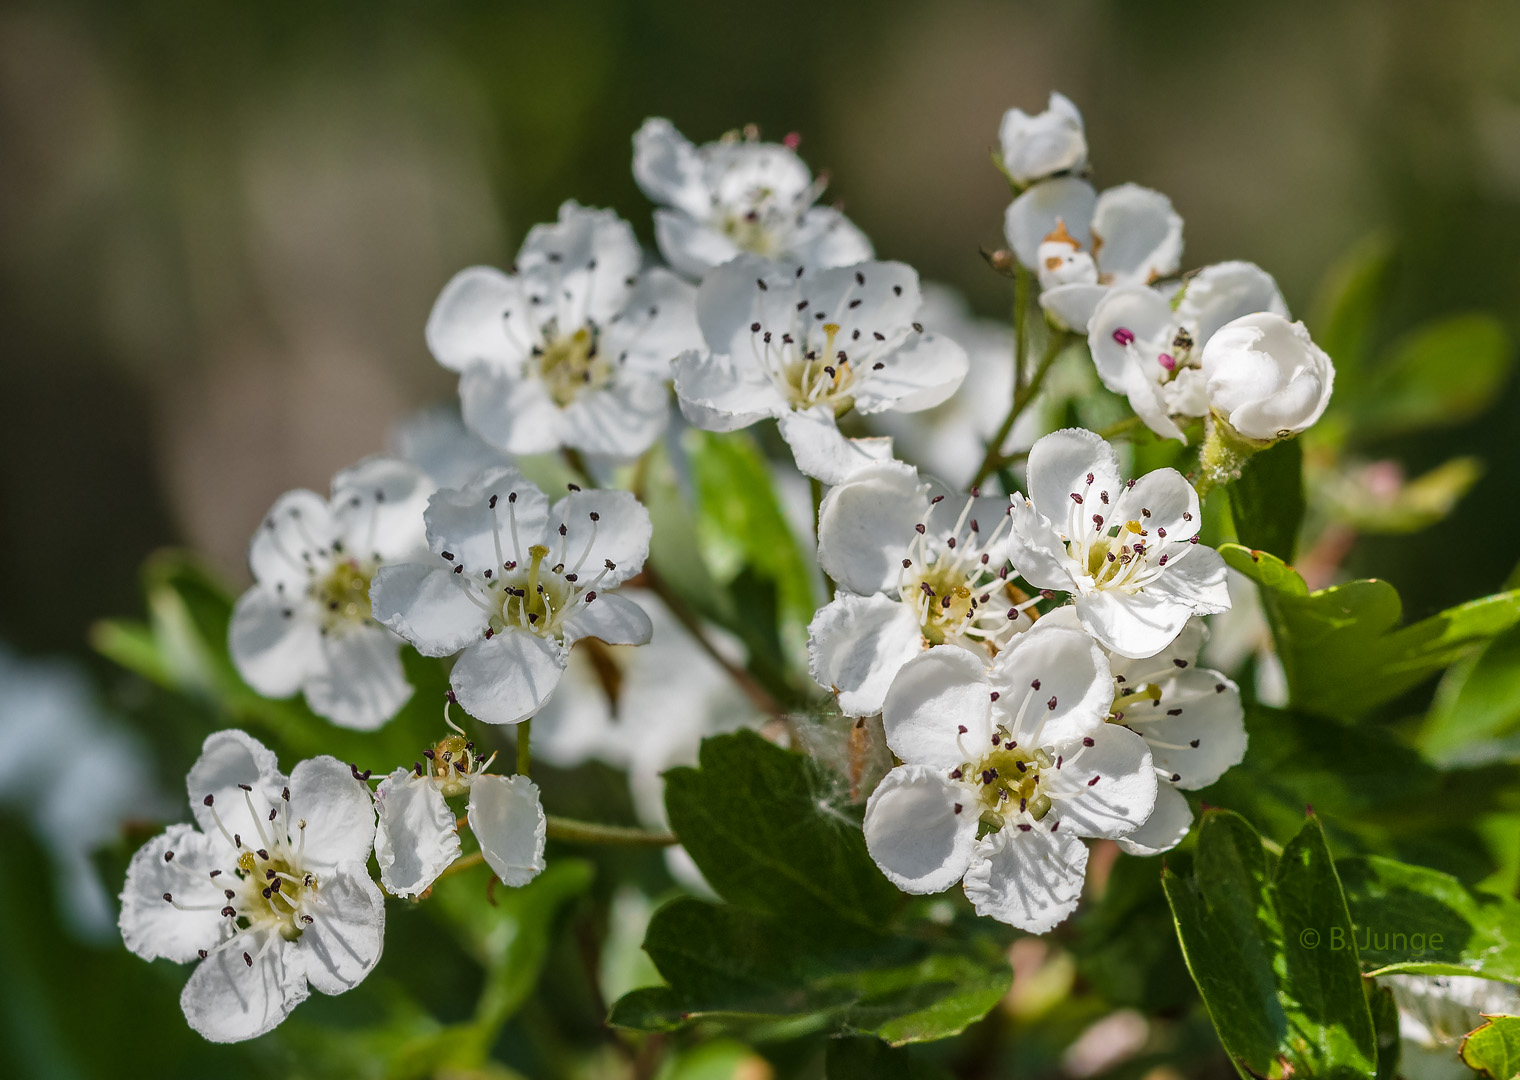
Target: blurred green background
(222,227)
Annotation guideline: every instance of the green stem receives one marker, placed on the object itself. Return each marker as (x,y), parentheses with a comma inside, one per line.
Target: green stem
(589,832)
(995,460)
(1022,283)
(524,748)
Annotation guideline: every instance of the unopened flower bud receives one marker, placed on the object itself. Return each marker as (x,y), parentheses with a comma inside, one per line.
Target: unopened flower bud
(1034,147)
(1265,377)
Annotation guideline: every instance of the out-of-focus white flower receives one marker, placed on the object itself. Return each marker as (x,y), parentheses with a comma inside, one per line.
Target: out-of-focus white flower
(573,347)
(916,568)
(436,441)
(1022,750)
(1436,1012)
(1242,634)
(1039,146)
(737,195)
(514,583)
(1265,377)
(1081,244)
(1128,553)
(47,713)
(805,346)
(1148,344)
(1189,716)
(305,625)
(271,892)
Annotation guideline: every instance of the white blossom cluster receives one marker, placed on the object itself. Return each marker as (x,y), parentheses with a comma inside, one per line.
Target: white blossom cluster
(1032,655)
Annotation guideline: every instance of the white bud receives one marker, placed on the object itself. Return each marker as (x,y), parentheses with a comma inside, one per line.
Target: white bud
(1035,147)
(1266,377)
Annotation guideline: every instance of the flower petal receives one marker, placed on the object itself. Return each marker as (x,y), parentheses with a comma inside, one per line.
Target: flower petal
(229,759)
(274,643)
(668,168)
(1037,550)
(1072,305)
(428,606)
(495,518)
(436,440)
(1106,789)
(1196,576)
(343,942)
(1137,233)
(508,819)
(825,237)
(363,684)
(611,618)
(584,259)
(481,317)
(1029,879)
(658,324)
(857,645)
(1164,503)
(602,527)
(720,393)
(509,677)
(228,999)
(1034,215)
(1195,729)
(1051,663)
(338,810)
(920,375)
(1225,291)
(378,505)
(298,528)
(416,838)
(620,420)
(866,524)
(689,245)
(1072,462)
(153,927)
(939,705)
(822,452)
(1167,826)
(1133,624)
(917,831)
(508,411)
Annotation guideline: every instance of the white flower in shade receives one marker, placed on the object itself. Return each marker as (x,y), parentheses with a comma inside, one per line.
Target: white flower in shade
(573,347)
(1436,1012)
(418,837)
(948,441)
(1021,750)
(1036,147)
(436,441)
(1148,344)
(305,625)
(806,346)
(1266,377)
(915,568)
(734,196)
(1081,244)
(1128,553)
(514,583)
(270,892)
(1189,716)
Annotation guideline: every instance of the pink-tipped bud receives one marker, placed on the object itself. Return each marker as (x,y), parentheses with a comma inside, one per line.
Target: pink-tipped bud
(1124,335)
(791,140)
(1166,361)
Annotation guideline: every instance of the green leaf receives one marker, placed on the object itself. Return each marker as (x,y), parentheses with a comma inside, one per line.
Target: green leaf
(1342,648)
(1254,934)
(1420,921)
(1347,306)
(1385,1020)
(1494,1048)
(1443,373)
(1475,718)
(1267,502)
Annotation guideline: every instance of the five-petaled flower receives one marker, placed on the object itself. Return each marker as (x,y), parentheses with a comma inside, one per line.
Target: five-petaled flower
(514,583)
(1128,553)
(806,345)
(270,892)
(305,625)
(916,568)
(1003,771)
(735,196)
(573,347)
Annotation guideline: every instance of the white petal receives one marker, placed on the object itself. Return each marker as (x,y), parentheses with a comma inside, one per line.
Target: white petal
(1034,215)
(603,527)
(1225,291)
(1159,666)
(1070,670)
(481,316)
(508,819)
(920,375)
(476,522)
(1137,233)
(826,238)
(689,245)
(1197,706)
(668,168)
(917,831)
(436,440)
(611,618)
(378,505)
(275,643)
(1032,880)
(586,258)
(719,393)
(416,838)
(153,927)
(1034,147)
(1164,504)
(428,606)
(1167,826)
(822,452)
(509,412)
(1133,624)
(659,324)
(338,810)
(1134,370)
(866,524)
(1107,789)
(1059,467)
(1072,306)
(620,420)
(1197,576)
(939,706)
(1037,550)
(731,297)
(228,759)
(363,685)
(342,943)
(857,645)
(298,529)
(226,1000)
(509,677)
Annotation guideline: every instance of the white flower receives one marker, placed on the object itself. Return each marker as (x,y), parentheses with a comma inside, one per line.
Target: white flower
(1149,350)
(270,892)
(1035,147)
(1081,243)
(1190,717)
(915,569)
(1435,1014)
(1021,749)
(806,346)
(573,347)
(734,196)
(1266,377)
(1127,552)
(418,837)
(305,625)
(514,584)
